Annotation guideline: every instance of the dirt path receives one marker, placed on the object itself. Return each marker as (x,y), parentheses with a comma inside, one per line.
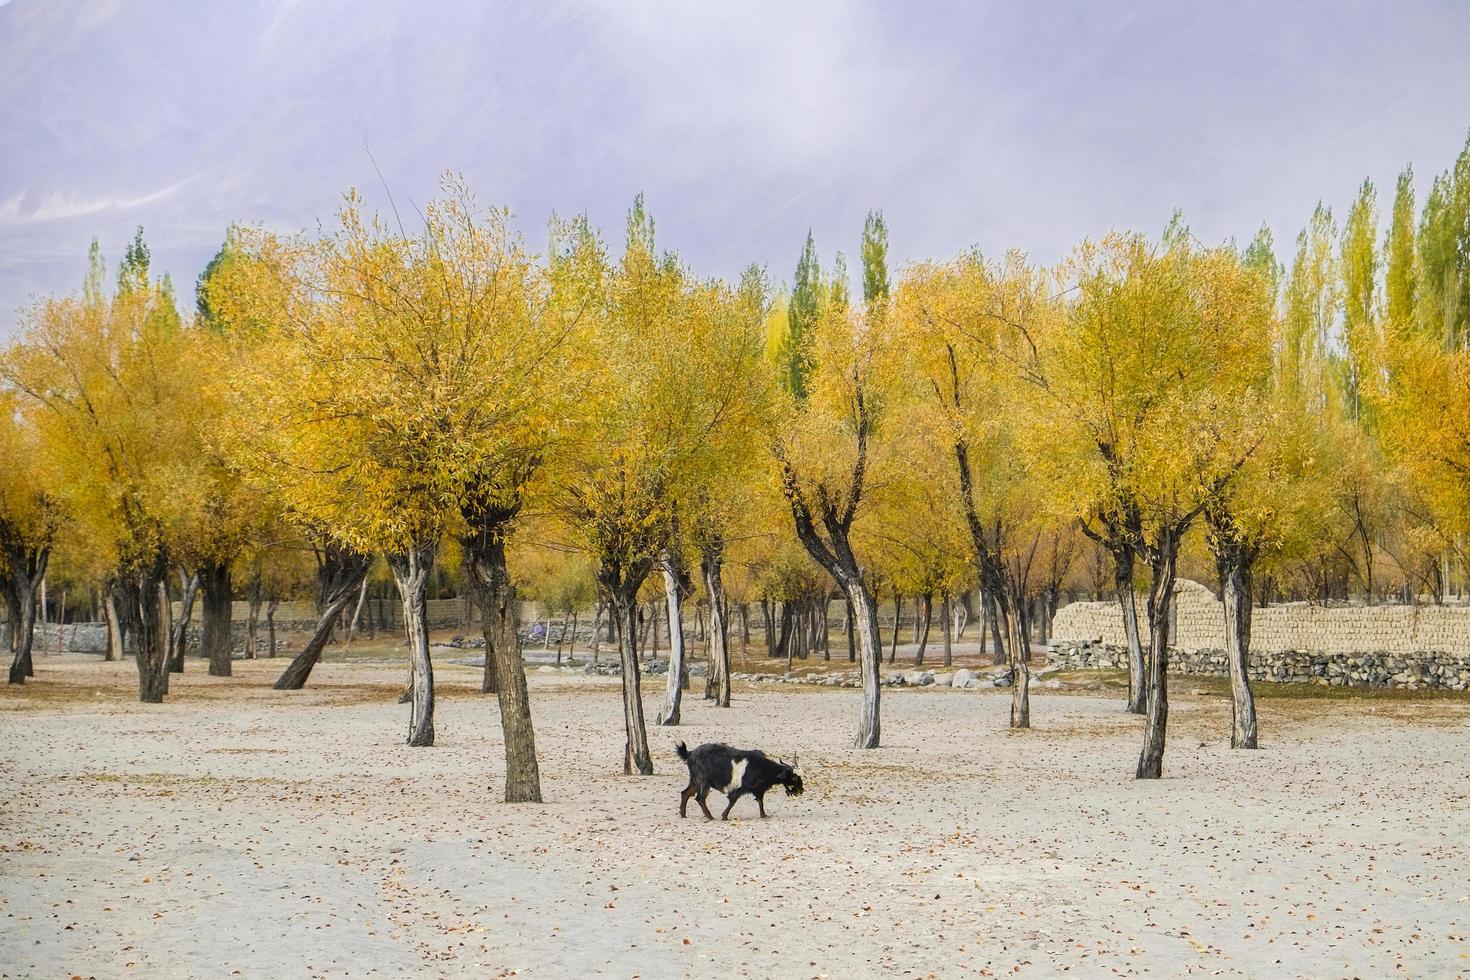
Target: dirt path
(292,834)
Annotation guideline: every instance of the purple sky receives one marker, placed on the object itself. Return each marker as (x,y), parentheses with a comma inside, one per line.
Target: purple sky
(1024,125)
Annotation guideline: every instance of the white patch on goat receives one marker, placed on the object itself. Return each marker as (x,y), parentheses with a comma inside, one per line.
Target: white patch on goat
(737,776)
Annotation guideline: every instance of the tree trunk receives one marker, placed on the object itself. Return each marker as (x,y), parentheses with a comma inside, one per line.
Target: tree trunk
(926,604)
(1235,588)
(597,630)
(180,631)
(252,619)
(270,624)
(342,572)
(636,757)
(770,629)
(897,618)
(144,599)
(851,638)
(947,613)
(984,625)
(1123,581)
(411,569)
(870,646)
(215,579)
(357,614)
(783,634)
(787,643)
(115,642)
(504,670)
(824,630)
(836,557)
(1160,608)
(27,569)
(711,564)
(997,629)
(674,597)
(1018,651)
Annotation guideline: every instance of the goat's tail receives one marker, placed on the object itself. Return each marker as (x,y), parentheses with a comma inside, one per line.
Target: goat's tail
(682,750)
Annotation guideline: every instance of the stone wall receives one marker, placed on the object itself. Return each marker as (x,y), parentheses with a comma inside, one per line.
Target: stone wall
(1447,671)
(301,615)
(290,617)
(1295,626)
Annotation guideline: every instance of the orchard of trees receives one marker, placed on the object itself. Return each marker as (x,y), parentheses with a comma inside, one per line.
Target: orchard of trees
(604,425)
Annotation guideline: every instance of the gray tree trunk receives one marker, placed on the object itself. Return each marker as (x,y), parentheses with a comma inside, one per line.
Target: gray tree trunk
(947,614)
(411,569)
(504,671)
(674,598)
(252,619)
(115,641)
(851,638)
(926,605)
(1237,655)
(357,614)
(179,632)
(218,609)
(342,573)
(870,650)
(1160,607)
(1018,648)
(1233,560)
(897,619)
(997,630)
(636,757)
(144,600)
(711,565)
(27,571)
(1123,580)
(597,630)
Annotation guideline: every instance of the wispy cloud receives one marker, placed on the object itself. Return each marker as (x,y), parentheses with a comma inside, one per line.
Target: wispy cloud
(30,207)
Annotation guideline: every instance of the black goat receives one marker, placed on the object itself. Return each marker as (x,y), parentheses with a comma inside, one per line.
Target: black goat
(734,772)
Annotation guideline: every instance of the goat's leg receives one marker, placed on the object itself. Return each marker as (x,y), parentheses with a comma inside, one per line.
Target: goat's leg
(699,798)
(731,805)
(684,799)
(760,801)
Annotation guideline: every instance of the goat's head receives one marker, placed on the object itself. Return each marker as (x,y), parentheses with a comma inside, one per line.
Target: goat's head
(791,779)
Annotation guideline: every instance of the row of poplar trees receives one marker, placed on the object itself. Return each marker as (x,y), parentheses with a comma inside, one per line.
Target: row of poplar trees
(385,393)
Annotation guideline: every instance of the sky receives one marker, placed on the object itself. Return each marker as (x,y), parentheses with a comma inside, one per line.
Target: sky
(1024,125)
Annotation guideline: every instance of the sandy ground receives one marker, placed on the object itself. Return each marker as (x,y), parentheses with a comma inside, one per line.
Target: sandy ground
(243,831)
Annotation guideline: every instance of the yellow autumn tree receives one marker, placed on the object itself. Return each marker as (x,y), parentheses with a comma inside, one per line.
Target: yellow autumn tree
(108,377)
(1151,389)
(410,392)
(676,358)
(840,383)
(972,324)
(31,520)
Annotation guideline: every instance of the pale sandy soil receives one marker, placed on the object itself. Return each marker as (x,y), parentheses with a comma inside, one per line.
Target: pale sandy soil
(243,831)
